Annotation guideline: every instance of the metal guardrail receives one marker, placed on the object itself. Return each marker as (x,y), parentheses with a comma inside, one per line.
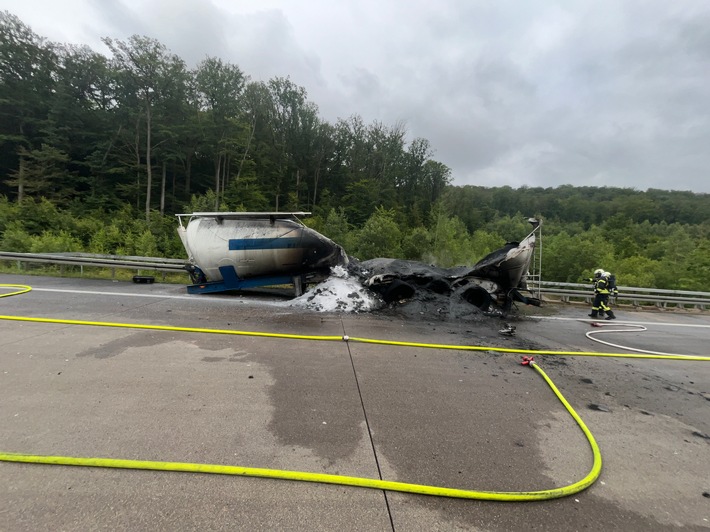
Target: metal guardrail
(637,297)
(99,261)
(566,292)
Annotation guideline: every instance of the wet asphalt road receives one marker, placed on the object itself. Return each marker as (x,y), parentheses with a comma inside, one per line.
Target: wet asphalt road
(453,418)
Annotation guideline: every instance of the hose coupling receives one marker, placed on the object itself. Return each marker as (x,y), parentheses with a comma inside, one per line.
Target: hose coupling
(527,361)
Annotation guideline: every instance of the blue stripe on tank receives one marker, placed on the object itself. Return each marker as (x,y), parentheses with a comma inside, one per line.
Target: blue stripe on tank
(238,244)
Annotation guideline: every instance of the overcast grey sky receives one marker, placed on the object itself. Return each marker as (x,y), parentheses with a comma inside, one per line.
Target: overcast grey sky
(523,92)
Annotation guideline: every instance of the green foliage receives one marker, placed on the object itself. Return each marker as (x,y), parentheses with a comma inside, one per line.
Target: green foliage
(379,237)
(107,241)
(37,216)
(483,242)
(670,256)
(361,200)
(205,203)
(164,230)
(145,245)
(451,243)
(698,270)
(636,271)
(6,212)
(54,242)
(576,257)
(510,228)
(417,244)
(246,194)
(337,228)
(15,238)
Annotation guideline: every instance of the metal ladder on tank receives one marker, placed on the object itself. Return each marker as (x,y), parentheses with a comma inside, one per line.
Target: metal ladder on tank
(534,277)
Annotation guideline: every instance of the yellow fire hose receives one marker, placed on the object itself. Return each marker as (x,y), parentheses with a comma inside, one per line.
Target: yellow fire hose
(513,496)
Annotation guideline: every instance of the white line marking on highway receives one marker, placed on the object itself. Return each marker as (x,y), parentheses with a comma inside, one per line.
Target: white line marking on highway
(129,294)
(623,322)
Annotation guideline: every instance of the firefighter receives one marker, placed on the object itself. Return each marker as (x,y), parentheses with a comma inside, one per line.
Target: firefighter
(602,289)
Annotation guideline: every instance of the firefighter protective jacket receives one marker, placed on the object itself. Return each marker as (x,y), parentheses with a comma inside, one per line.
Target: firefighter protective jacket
(601,286)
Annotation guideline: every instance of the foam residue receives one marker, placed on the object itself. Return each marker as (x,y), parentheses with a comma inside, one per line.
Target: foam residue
(339,293)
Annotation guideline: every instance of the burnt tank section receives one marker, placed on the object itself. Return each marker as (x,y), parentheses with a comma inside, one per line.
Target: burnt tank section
(498,279)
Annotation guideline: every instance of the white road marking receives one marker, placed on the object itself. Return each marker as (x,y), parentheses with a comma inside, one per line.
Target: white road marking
(130,294)
(624,322)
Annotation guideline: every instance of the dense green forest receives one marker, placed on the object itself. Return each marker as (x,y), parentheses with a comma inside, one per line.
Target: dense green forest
(98,153)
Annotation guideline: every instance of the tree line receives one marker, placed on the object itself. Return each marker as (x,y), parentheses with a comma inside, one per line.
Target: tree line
(141,127)
(97,153)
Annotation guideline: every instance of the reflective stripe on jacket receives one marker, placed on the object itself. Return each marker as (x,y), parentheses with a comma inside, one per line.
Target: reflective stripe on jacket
(601,286)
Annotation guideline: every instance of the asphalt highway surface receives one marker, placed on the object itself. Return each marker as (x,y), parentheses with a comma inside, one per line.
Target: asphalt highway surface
(476,420)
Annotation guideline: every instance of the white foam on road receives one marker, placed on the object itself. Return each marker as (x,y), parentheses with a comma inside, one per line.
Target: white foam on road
(339,293)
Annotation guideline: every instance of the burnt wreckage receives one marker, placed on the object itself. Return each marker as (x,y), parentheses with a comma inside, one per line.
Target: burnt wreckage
(236,251)
(497,280)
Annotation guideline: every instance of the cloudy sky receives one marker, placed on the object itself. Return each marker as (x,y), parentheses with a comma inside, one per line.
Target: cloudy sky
(508,92)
